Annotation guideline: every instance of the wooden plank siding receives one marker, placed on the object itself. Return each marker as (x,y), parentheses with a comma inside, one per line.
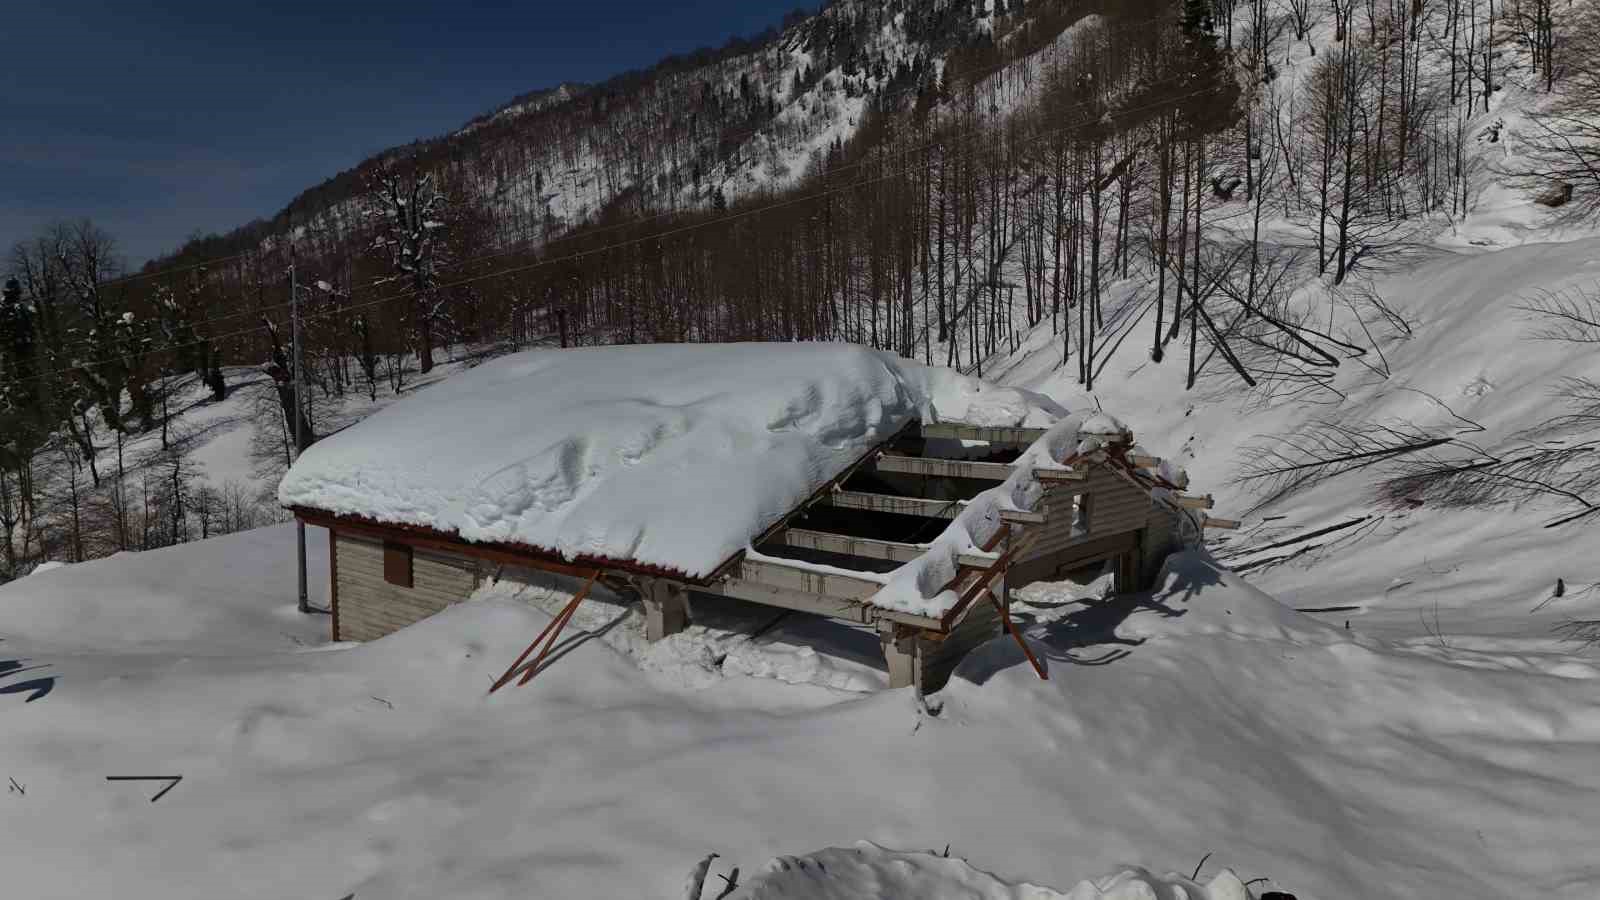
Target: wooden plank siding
(940,657)
(1115,515)
(1116,506)
(333,583)
(1059,505)
(370,607)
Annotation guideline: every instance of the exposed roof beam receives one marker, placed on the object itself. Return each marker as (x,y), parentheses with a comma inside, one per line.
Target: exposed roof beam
(1061,476)
(869,548)
(1021,517)
(963,432)
(943,468)
(906,506)
(806,579)
(785,598)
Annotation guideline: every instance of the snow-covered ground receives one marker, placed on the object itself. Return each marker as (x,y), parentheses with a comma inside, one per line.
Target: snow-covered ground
(1207,718)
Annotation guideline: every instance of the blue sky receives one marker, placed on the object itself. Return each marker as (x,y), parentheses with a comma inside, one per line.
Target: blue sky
(160,119)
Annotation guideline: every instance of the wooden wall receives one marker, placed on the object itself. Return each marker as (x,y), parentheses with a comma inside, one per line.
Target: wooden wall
(1115,506)
(369,607)
(1060,529)
(939,658)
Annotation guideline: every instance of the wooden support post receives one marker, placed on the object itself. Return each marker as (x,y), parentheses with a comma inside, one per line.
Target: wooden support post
(1011,629)
(666,607)
(902,651)
(547,637)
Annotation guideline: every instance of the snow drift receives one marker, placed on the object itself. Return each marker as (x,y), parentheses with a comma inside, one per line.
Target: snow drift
(869,872)
(668,455)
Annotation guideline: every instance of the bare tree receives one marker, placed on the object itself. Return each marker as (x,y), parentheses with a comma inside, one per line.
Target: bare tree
(410,215)
(1561,146)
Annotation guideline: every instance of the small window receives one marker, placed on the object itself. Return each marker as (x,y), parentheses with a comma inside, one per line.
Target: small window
(397,564)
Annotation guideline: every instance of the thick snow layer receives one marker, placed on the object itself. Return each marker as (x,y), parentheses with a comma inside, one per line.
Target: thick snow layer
(1208,718)
(239,594)
(665,455)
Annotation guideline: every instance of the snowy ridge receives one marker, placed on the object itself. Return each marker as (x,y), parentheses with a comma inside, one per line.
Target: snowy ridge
(671,456)
(869,872)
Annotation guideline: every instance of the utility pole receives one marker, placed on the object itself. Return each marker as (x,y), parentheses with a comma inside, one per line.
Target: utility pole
(299,419)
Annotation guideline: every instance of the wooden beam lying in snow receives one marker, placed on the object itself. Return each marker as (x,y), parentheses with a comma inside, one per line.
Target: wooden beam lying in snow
(906,506)
(943,468)
(959,431)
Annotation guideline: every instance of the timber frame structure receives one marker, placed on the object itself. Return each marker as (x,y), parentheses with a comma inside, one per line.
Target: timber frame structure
(830,554)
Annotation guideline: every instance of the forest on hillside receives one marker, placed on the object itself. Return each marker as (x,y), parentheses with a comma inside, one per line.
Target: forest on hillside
(1151,176)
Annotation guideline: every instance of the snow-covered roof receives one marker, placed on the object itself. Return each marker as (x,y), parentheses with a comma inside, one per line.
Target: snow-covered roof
(671,456)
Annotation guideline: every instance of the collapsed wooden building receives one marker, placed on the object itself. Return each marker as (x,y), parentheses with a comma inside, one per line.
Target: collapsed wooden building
(839,550)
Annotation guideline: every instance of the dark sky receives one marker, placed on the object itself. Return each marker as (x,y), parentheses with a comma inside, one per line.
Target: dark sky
(160,119)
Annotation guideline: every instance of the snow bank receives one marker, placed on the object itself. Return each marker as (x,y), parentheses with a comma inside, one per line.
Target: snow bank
(1205,717)
(224,595)
(664,455)
(869,872)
